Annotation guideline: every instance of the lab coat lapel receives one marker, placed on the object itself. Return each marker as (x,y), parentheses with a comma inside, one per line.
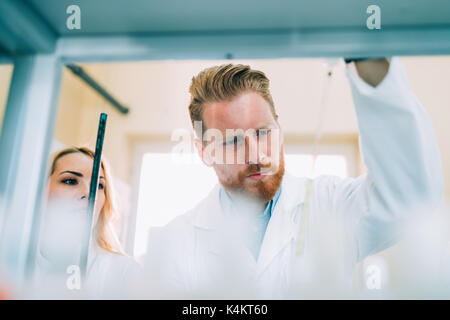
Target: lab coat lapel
(208,214)
(281,228)
(208,220)
(213,234)
(283,223)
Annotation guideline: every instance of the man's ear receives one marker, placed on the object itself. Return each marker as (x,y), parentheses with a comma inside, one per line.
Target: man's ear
(200,150)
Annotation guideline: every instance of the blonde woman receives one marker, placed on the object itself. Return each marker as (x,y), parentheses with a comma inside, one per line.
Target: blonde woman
(109,269)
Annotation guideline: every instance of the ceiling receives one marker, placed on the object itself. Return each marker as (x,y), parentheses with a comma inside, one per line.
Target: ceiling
(33,26)
(161,16)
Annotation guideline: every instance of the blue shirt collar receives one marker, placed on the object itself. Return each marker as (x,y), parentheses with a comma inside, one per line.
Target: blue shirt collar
(225,201)
(271,205)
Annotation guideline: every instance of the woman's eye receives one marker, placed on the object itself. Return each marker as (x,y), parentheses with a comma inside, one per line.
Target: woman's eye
(69,181)
(101,186)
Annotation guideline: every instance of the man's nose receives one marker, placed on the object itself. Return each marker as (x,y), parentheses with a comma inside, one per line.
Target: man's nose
(251,156)
(256,153)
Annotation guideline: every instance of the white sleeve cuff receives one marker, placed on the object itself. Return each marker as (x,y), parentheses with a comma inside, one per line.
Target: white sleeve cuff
(395,69)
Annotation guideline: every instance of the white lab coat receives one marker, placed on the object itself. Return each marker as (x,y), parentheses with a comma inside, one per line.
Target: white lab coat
(193,256)
(58,256)
(109,275)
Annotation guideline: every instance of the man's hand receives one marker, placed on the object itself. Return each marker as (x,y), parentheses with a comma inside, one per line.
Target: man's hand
(372,71)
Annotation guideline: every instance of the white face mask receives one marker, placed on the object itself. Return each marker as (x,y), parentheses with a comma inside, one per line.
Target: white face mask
(62,233)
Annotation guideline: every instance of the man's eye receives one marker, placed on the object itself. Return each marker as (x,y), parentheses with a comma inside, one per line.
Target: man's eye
(231,141)
(236,141)
(101,186)
(69,181)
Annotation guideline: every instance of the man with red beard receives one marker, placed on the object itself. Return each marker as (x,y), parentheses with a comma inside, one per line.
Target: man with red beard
(257,231)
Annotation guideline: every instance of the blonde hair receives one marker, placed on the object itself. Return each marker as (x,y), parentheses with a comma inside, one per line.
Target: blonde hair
(104,231)
(223,83)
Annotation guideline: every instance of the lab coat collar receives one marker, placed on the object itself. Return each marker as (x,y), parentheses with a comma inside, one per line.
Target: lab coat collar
(44,265)
(208,213)
(281,228)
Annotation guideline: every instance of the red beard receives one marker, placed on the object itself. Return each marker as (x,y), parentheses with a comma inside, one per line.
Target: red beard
(265,188)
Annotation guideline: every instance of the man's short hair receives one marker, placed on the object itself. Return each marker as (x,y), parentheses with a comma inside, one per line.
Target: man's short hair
(224,83)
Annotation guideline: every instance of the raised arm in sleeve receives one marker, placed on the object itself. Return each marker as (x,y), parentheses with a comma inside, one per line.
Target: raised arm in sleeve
(399,148)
